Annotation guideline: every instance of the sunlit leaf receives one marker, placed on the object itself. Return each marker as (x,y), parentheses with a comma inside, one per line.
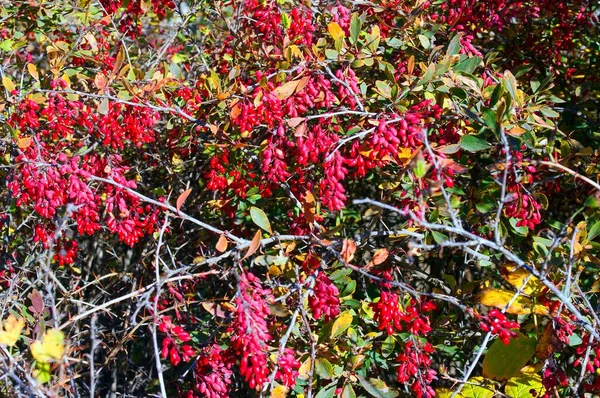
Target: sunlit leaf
(260,218)
(503,361)
(11,330)
(341,324)
(50,348)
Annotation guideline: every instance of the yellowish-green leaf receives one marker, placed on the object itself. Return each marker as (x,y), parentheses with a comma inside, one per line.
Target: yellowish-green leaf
(51,347)
(503,361)
(522,386)
(11,330)
(340,325)
(42,372)
(478,387)
(260,218)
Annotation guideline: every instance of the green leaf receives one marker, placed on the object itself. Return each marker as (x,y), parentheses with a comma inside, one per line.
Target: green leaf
(468,65)
(354,28)
(594,231)
(503,361)
(326,393)
(324,368)
(473,143)
(439,237)
(286,21)
(425,43)
(428,75)
(510,83)
(376,388)
(340,325)
(489,116)
(454,45)
(420,168)
(260,218)
(388,346)
(496,94)
(348,391)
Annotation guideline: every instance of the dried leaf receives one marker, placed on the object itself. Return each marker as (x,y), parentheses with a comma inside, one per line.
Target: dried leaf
(295,121)
(286,90)
(37,302)
(547,343)
(309,207)
(215,309)
(182,199)
(24,143)
(348,250)
(100,81)
(279,392)
(221,244)
(517,276)
(254,245)
(380,256)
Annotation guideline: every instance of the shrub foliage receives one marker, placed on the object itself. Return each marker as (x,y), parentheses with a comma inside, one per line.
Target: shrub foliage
(299,198)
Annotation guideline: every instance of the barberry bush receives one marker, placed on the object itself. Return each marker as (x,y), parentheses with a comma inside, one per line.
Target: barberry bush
(239,198)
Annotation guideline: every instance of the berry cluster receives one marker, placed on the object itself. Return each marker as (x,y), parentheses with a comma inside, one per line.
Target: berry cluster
(496,323)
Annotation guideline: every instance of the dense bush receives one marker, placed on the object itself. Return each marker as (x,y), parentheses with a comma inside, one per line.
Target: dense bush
(299,198)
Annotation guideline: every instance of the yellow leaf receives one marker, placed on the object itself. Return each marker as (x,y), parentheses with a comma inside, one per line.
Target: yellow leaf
(51,347)
(517,276)
(32,69)
(12,330)
(8,84)
(500,298)
(335,31)
(341,324)
(304,369)
(279,392)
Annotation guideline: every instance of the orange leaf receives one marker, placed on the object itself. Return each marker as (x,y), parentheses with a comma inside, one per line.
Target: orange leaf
(302,83)
(24,143)
(221,244)
(348,250)
(380,256)
(309,207)
(182,199)
(254,245)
